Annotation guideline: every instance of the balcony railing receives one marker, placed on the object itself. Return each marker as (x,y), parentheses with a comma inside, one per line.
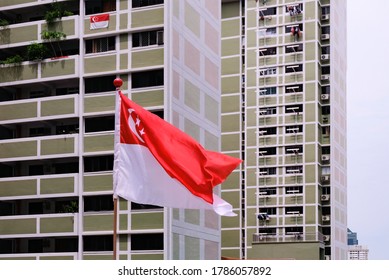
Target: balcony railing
(289,237)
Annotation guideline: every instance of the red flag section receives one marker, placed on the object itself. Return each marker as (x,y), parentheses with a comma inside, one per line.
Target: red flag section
(99,21)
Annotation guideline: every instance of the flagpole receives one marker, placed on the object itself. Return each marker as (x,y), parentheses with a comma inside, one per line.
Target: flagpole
(117,83)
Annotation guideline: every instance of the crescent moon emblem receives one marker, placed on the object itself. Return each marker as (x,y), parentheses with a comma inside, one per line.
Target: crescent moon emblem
(132,126)
(94,19)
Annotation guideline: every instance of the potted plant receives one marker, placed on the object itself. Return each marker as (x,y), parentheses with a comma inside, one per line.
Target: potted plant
(15,59)
(56,12)
(53,36)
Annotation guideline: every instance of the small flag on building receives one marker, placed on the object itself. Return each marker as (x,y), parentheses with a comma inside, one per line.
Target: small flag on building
(99,21)
(158,164)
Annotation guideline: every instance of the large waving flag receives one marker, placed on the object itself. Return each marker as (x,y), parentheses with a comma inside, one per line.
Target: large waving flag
(158,164)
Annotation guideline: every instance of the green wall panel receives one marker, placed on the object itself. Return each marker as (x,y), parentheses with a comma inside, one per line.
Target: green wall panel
(98,143)
(98,183)
(57,185)
(100,64)
(58,67)
(18,187)
(18,226)
(98,222)
(231,28)
(231,84)
(58,107)
(147,221)
(18,111)
(57,224)
(20,149)
(147,17)
(57,146)
(147,58)
(99,103)
(19,72)
(148,98)
(231,123)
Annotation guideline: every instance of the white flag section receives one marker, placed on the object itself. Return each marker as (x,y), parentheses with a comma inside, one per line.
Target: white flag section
(156,163)
(99,21)
(141,179)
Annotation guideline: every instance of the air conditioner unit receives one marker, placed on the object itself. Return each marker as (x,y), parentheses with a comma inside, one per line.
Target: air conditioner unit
(325,157)
(325,56)
(325,218)
(325,77)
(325,178)
(325,17)
(325,36)
(325,96)
(325,197)
(326,238)
(325,119)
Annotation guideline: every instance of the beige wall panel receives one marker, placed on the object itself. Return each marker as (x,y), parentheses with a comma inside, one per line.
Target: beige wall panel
(192,96)
(98,143)
(57,146)
(99,103)
(98,222)
(148,98)
(147,58)
(57,185)
(231,47)
(233,197)
(192,248)
(100,64)
(310,72)
(57,224)
(231,123)
(231,238)
(18,226)
(212,110)
(18,111)
(231,65)
(147,221)
(230,104)
(21,149)
(123,21)
(18,188)
(231,84)
(192,19)
(231,222)
(231,28)
(58,107)
(147,18)
(13,35)
(232,181)
(192,216)
(146,257)
(231,9)
(310,215)
(123,61)
(310,174)
(297,251)
(309,153)
(231,142)
(18,73)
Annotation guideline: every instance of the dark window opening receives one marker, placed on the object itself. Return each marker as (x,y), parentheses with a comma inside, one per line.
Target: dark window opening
(294,129)
(268,91)
(325,150)
(267,231)
(325,90)
(66,129)
(294,210)
(143,3)
(98,243)
(294,68)
(99,6)
(268,171)
(294,29)
(294,189)
(294,48)
(147,79)
(268,210)
(325,110)
(98,203)
(267,151)
(98,163)
(268,51)
(294,88)
(98,124)
(294,169)
(137,206)
(267,111)
(99,84)
(268,191)
(325,70)
(295,149)
(293,230)
(142,242)
(267,131)
(296,108)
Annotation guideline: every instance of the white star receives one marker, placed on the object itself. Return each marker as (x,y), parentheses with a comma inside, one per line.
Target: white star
(142,131)
(137,121)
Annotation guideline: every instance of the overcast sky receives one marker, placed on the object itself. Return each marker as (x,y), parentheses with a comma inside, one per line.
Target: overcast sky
(368,124)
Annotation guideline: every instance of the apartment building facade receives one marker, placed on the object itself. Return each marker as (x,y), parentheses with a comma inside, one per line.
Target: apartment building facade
(284,114)
(59,60)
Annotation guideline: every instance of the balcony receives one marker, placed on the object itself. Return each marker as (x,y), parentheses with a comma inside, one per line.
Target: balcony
(44,186)
(45,108)
(289,237)
(34,225)
(45,147)
(41,71)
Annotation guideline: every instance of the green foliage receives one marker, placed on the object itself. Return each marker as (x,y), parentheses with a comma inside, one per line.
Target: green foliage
(56,11)
(52,35)
(72,207)
(16,59)
(36,51)
(3,23)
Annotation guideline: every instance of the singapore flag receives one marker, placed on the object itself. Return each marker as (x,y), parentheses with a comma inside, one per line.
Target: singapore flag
(156,163)
(99,21)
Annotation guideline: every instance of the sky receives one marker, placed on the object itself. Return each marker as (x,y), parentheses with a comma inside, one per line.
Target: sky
(368,124)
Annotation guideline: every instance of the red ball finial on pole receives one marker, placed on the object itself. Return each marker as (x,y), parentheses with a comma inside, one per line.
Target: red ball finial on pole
(118,82)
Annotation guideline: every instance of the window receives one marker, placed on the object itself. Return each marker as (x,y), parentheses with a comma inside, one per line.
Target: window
(268,12)
(294,210)
(268,71)
(294,88)
(267,151)
(325,110)
(143,3)
(267,32)
(268,51)
(325,130)
(267,111)
(99,163)
(294,129)
(268,191)
(325,50)
(295,149)
(100,45)
(294,28)
(297,108)
(325,90)
(294,230)
(147,79)
(99,6)
(268,91)
(325,150)
(66,129)
(294,189)
(325,70)
(294,48)
(98,124)
(325,10)
(267,131)
(267,231)
(325,30)
(142,242)
(99,84)
(137,206)
(294,169)
(294,9)
(293,68)
(268,210)
(268,171)
(98,243)
(98,203)
(147,38)
(39,131)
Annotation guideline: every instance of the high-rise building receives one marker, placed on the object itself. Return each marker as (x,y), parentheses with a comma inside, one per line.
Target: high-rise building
(358,252)
(59,60)
(284,113)
(352,237)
